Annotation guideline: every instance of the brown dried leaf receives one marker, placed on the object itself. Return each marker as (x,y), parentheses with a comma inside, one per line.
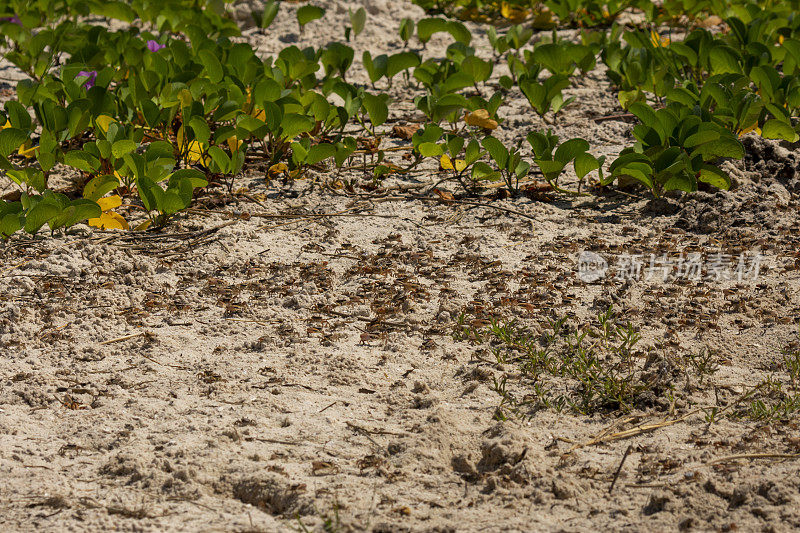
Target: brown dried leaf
(444,196)
(405,132)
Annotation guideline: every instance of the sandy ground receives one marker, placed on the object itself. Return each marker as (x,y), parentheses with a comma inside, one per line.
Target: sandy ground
(293,365)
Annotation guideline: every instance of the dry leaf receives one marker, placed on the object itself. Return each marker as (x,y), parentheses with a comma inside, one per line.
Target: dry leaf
(277,169)
(322,468)
(405,132)
(538,186)
(444,196)
(710,22)
(480,118)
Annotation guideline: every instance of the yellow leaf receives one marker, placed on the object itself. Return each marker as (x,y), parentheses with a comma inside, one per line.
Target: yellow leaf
(194,151)
(143,226)
(185,97)
(658,41)
(513,13)
(460,165)
(234,143)
(195,154)
(277,169)
(753,128)
(260,114)
(109,202)
(480,118)
(6,125)
(27,151)
(109,220)
(445,162)
(104,121)
(780,39)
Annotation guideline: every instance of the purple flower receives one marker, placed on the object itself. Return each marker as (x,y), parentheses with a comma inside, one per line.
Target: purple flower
(90,75)
(14,19)
(153,46)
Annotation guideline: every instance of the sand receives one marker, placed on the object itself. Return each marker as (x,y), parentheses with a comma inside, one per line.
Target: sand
(243,371)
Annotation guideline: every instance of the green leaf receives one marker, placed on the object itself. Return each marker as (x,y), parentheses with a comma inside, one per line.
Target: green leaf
(122,147)
(554,58)
(682,181)
(11,139)
(38,215)
(212,65)
(724,60)
(294,124)
(427,27)
(540,144)
(18,115)
(99,186)
(114,10)
(428,149)
(145,186)
(376,108)
(191,175)
(201,130)
(270,10)
(478,69)
(585,163)
(376,68)
(550,169)
(459,32)
(308,13)
(82,161)
(397,63)
(320,152)
(171,202)
(454,145)
(482,171)
(778,129)
(701,137)
(723,147)
(250,124)
(496,149)
(473,152)
(569,150)
(644,113)
(220,158)
(715,176)
(11,223)
(358,19)
(406,30)
(80,210)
